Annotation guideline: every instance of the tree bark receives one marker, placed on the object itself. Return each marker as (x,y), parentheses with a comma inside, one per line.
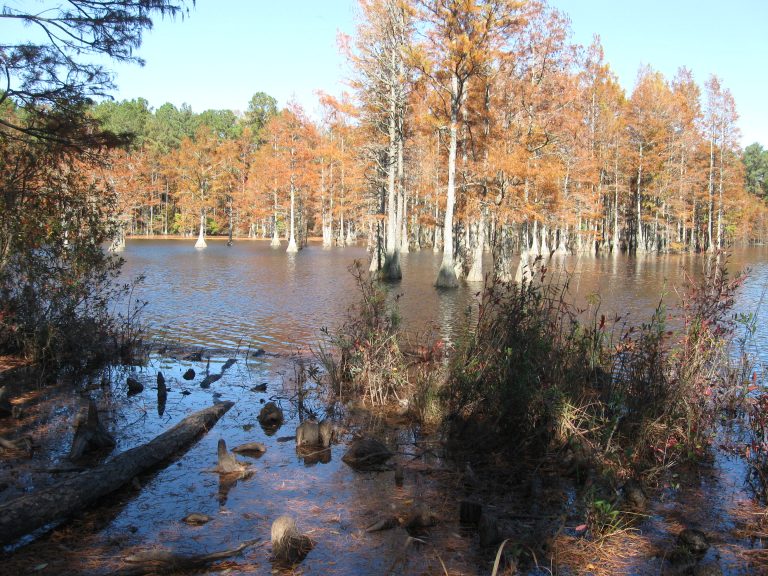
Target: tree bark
(30,512)
(292,247)
(446,277)
(391,270)
(201,237)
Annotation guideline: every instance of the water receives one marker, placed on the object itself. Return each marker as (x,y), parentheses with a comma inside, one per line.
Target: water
(232,300)
(252,295)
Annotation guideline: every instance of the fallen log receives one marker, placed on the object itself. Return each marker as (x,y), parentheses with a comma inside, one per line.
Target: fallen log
(166,562)
(35,510)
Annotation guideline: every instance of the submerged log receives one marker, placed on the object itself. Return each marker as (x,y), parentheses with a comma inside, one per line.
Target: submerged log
(166,562)
(35,510)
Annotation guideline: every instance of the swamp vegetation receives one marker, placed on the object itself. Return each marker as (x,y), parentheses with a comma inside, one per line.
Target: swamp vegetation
(524,424)
(533,434)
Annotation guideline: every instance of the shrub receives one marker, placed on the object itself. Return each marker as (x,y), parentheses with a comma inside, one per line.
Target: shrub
(362,358)
(57,283)
(534,370)
(525,360)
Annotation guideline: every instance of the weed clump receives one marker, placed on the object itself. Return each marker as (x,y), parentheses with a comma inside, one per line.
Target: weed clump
(370,358)
(525,365)
(362,358)
(536,374)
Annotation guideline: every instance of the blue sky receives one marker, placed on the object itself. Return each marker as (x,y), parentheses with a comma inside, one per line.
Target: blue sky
(228,49)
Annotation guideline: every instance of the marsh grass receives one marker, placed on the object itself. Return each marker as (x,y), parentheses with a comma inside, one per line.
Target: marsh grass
(536,374)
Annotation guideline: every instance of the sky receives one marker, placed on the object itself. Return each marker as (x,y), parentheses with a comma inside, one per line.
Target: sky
(226,50)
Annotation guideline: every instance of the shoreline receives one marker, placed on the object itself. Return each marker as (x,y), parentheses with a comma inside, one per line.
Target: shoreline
(210,238)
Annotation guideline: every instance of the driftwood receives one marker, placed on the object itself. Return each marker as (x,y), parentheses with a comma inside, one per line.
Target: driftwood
(166,562)
(31,511)
(90,434)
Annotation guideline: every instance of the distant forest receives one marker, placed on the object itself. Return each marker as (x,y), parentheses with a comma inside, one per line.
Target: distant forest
(464,130)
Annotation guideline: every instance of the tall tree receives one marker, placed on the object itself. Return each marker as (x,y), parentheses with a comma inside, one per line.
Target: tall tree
(261,107)
(383,39)
(197,164)
(459,39)
(756,166)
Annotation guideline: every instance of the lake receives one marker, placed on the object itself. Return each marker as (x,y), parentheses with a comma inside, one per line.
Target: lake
(229,301)
(251,295)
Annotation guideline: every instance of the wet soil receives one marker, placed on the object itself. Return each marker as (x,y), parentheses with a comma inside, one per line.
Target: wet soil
(542,513)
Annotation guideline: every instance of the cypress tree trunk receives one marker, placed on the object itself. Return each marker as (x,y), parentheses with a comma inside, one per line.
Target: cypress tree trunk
(201,237)
(292,247)
(446,277)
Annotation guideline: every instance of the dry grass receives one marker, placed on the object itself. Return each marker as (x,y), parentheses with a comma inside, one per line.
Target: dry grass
(619,553)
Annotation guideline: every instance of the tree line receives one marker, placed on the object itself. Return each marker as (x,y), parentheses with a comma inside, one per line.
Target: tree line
(472,125)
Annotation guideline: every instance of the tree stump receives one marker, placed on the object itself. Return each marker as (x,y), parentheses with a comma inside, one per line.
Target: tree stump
(134,386)
(228,464)
(366,454)
(271,416)
(308,433)
(288,544)
(250,449)
(327,433)
(470,512)
(90,434)
(162,394)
